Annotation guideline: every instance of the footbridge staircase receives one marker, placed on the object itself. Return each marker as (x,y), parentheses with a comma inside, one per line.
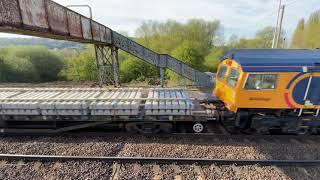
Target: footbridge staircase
(48,19)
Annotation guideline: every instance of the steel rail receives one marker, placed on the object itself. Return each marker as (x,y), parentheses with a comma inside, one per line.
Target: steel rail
(159,160)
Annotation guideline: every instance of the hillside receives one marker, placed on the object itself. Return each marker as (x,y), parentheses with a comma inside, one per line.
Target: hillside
(51,44)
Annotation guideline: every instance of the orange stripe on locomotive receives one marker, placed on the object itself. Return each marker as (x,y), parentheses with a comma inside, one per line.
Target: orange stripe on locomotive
(269,79)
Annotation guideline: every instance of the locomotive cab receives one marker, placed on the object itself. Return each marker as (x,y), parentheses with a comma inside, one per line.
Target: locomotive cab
(228,81)
(239,89)
(271,86)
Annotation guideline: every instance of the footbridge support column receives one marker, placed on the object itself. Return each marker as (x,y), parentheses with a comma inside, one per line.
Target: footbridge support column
(162,77)
(162,63)
(108,65)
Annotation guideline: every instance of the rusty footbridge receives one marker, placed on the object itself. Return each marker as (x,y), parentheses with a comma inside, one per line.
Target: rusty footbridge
(45,18)
(59,110)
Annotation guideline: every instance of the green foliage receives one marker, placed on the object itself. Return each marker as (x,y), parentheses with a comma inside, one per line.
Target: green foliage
(133,69)
(190,53)
(21,70)
(298,36)
(47,64)
(307,34)
(167,36)
(213,59)
(29,64)
(262,39)
(81,66)
(190,42)
(4,70)
(312,31)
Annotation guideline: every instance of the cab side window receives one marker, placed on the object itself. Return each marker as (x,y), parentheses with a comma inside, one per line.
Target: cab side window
(222,72)
(233,77)
(261,81)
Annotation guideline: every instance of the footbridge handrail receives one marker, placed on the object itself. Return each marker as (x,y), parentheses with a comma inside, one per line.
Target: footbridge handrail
(48,19)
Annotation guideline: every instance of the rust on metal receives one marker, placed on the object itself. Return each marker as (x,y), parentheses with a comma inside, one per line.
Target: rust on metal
(44,18)
(103,36)
(57,17)
(86,28)
(95,31)
(10,13)
(108,35)
(34,14)
(74,21)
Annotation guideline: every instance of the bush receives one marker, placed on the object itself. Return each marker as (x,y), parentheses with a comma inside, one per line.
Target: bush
(81,67)
(213,59)
(47,64)
(190,42)
(133,69)
(4,70)
(29,64)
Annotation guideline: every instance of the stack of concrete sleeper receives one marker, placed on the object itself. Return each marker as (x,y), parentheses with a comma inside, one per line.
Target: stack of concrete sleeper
(98,102)
(65,101)
(121,102)
(168,102)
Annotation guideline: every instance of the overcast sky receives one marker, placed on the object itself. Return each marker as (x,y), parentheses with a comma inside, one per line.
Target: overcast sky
(240,17)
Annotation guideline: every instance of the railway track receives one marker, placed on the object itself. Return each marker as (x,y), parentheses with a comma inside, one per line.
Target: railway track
(225,134)
(93,158)
(214,137)
(117,170)
(159,160)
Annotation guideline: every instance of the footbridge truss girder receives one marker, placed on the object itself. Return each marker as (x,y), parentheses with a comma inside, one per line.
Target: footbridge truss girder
(107,65)
(45,18)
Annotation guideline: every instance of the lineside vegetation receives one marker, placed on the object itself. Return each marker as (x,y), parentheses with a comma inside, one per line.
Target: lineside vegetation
(198,43)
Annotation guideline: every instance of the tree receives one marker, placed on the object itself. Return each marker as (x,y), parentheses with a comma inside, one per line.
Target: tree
(307,33)
(213,59)
(190,42)
(167,36)
(161,37)
(263,39)
(134,69)
(4,69)
(29,64)
(47,64)
(298,35)
(20,70)
(312,31)
(201,32)
(233,41)
(81,67)
(190,53)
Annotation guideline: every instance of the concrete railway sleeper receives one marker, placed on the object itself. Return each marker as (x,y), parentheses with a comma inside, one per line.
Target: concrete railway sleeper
(142,111)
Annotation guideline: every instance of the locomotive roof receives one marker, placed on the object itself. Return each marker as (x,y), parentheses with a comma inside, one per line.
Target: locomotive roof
(275,60)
